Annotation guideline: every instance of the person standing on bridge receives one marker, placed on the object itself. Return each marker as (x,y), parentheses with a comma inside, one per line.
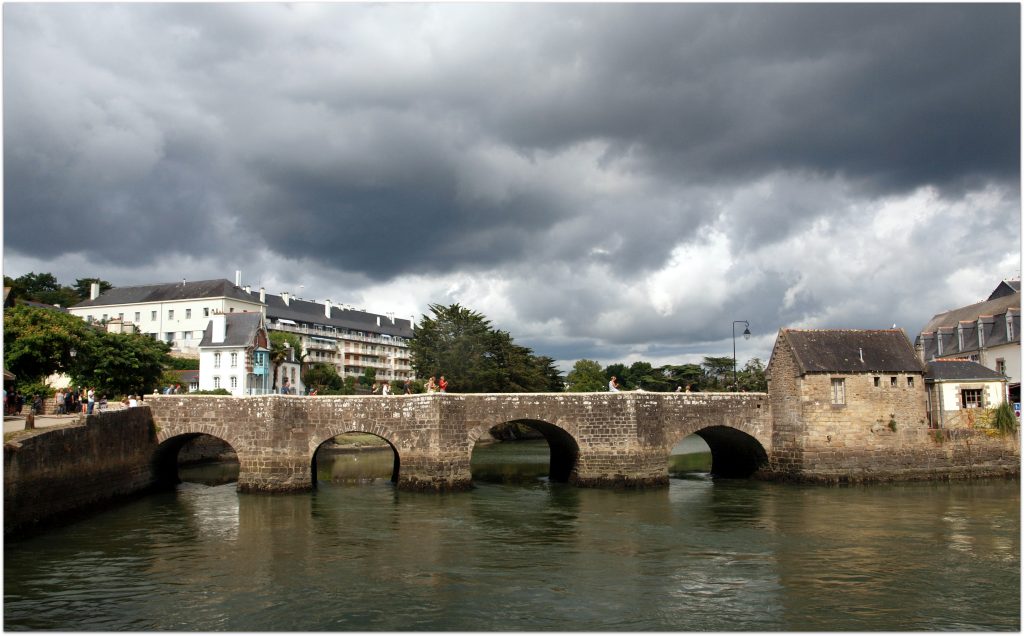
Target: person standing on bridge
(442,385)
(613,385)
(385,388)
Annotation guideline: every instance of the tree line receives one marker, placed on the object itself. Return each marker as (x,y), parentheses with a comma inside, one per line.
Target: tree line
(44,288)
(714,373)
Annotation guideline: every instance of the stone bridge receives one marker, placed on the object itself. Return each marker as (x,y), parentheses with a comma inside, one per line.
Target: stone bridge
(596,439)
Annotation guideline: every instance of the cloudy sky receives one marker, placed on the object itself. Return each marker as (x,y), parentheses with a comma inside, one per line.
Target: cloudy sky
(614,182)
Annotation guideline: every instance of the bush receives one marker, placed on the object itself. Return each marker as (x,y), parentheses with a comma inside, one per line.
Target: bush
(29,389)
(1004,421)
(211,392)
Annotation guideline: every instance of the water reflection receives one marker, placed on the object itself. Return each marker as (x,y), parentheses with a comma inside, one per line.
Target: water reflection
(530,555)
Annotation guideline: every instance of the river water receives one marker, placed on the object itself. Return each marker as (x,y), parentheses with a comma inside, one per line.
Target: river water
(520,553)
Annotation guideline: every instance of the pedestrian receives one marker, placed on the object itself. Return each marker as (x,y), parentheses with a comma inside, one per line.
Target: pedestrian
(374,389)
(431,387)
(613,385)
(19,402)
(133,401)
(385,389)
(92,400)
(442,385)
(408,387)
(69,402)
(37,404)
(58,401)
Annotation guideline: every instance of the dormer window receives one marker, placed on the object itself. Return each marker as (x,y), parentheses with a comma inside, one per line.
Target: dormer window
(960,336)
(1009,327)
(981,334)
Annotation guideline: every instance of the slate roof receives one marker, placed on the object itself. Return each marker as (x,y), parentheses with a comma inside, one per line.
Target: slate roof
(852,351)
(240,330)
(959,370)
(164,292)
(1005,288)
(304,311)
(994,307)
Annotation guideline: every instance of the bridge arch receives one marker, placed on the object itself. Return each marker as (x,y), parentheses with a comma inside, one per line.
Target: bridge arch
(396,467)
(562,445)
(734,453)
(164,462)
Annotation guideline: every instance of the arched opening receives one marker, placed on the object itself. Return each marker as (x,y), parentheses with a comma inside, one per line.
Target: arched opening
(730,453)
(355,457)
(195,458)
(524,451)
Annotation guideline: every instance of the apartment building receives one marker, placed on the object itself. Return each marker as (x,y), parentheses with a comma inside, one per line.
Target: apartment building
(352,340)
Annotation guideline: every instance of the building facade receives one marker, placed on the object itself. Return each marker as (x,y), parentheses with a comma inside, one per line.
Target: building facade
(352,340)
(987,333)
(234,354)
(958,389)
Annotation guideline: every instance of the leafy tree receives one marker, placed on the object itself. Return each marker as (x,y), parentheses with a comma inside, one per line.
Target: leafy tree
(38,342)
(83,286)
(586,376)
(117,364)
(461,344)
(369,376)
(322,377)
(717,372)
(684,375)
(348,385)
(284,346)
(752,377)
(621,373)
(183,364)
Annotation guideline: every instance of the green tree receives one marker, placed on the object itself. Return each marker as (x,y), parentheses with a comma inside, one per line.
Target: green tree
(684,375)
(752,377)
(717,372)
(284,346)
(118,364)
(322,377)
(369,377)
(39,342)
(83,286)
(621,374)
(586,376)
(461,345)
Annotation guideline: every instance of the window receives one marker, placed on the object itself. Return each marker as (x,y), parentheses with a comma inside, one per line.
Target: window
(234,382)
(88,318)
(216,361)
(152,315)
(188,313)
(216,381)
(170,314)
(970,398)
(206,312)
(893,381)
(169,336)
(104,317)
(1009,327)
(234,359)
(138,316)
(910,382)
(120,316)
(1000,366)
(838,391)
(878,381)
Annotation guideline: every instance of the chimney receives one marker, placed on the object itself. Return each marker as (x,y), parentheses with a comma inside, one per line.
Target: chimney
(94,291)
(248,289)
(263,295)
(238,278)
(378,321)
(286,298)
(327,307)
(391,316)
(220,328)
(860,350)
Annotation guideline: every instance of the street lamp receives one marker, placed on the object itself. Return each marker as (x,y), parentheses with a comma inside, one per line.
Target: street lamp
(746,336)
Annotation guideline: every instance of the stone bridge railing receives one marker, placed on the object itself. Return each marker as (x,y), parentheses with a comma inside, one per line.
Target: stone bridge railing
(596,439)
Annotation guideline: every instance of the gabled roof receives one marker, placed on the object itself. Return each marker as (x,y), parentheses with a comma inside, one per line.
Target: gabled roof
(852,351)
(164,292)
(959,370)
(240,331)
(314,312)
(993,307)
(1005,288)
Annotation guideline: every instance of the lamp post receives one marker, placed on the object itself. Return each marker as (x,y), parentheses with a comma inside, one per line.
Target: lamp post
(746,336)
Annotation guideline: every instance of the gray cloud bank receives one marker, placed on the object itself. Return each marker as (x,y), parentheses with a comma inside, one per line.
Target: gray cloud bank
(601,180)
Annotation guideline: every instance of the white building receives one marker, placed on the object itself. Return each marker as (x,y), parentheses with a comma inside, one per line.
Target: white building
(234,354)
(955,388)
(350,339)
(176,313)
(987,333)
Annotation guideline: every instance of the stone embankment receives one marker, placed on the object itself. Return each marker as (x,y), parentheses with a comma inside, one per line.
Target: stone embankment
(63,470)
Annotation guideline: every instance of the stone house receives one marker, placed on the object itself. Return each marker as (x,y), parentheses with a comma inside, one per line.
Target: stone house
(956,389)
(234,354)
(837,394)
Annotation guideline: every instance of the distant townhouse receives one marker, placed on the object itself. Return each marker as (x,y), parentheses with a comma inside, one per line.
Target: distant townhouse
(234,354)
(956,388)
(352,340)
(987,333)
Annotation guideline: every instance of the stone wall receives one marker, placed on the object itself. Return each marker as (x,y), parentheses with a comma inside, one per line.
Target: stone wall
(55,472)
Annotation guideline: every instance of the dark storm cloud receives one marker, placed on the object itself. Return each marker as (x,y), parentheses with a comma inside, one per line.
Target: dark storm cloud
(625,173)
